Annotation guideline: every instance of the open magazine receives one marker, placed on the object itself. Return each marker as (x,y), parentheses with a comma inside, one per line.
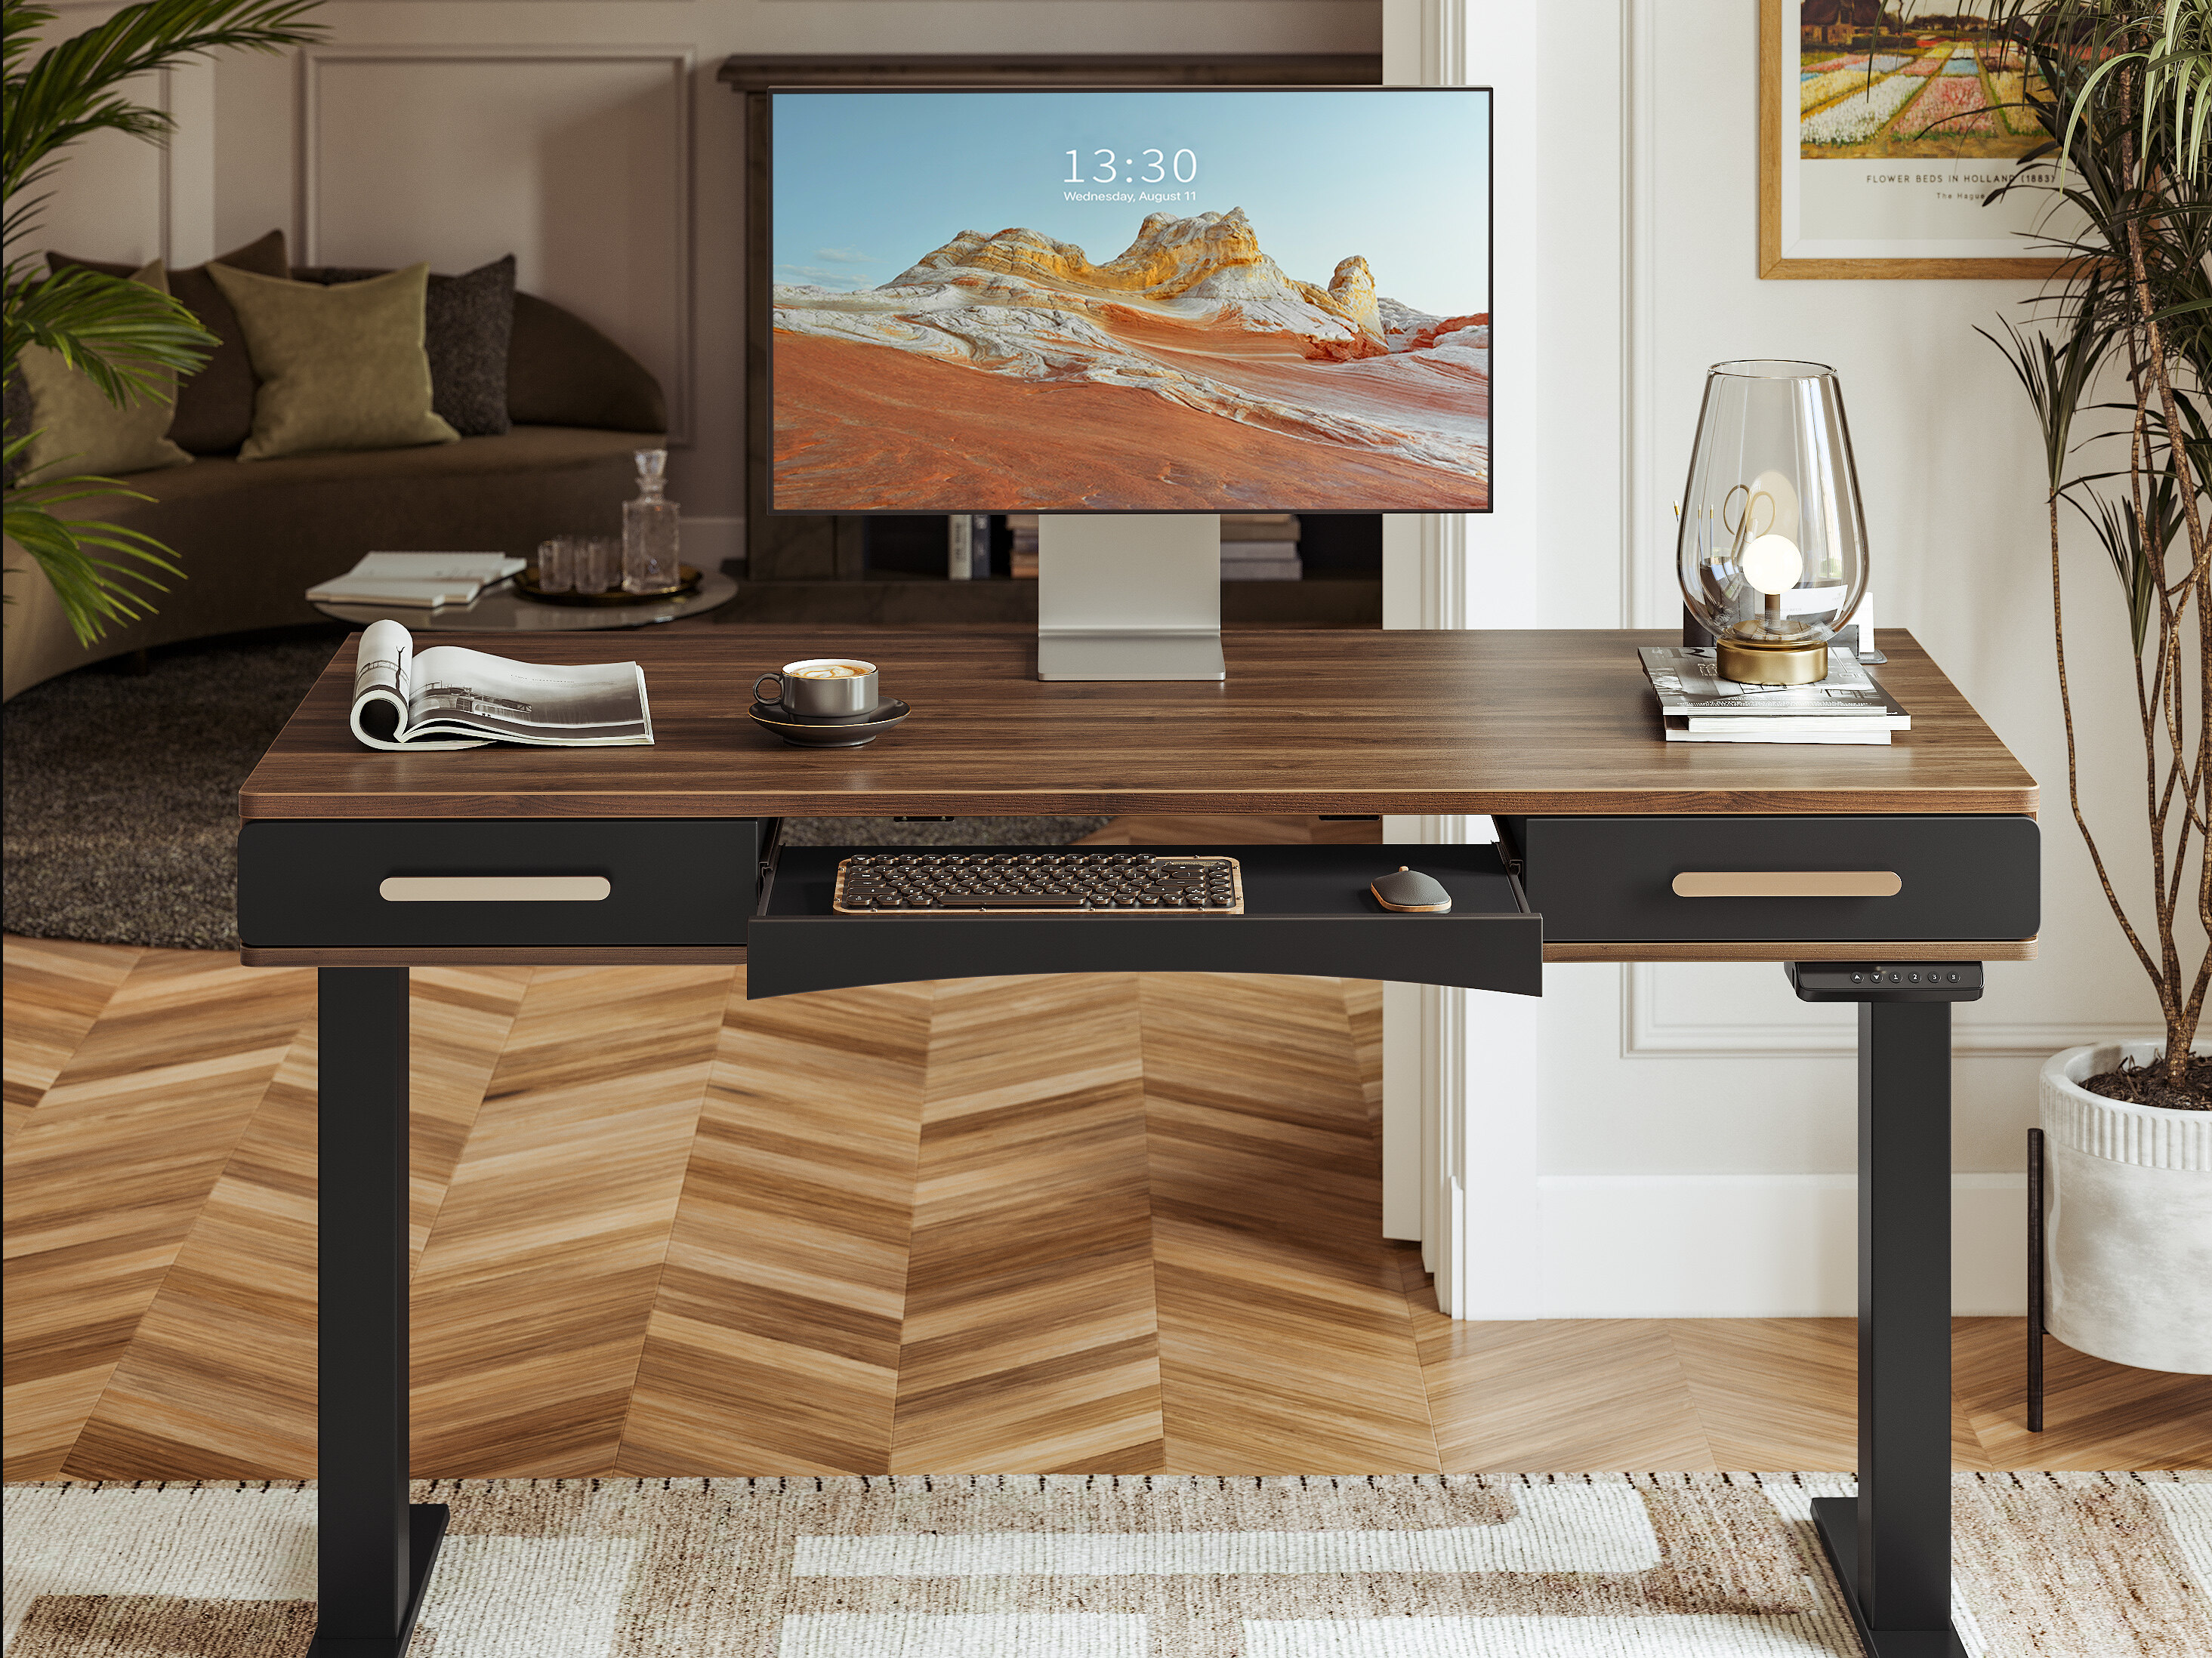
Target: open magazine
(449,697)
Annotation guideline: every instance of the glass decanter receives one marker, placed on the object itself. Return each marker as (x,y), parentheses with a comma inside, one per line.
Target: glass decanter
(649,531)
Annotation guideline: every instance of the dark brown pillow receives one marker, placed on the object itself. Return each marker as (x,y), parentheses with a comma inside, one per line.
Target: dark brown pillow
(563,372)
(214,407)
(467,323)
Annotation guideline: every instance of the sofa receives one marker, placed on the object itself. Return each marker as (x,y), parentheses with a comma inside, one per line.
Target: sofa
(250,537)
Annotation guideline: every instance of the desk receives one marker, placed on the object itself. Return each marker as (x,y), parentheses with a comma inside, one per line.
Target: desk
(1556,734)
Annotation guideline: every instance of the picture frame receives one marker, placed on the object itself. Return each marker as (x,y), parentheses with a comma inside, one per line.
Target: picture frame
(1850,185)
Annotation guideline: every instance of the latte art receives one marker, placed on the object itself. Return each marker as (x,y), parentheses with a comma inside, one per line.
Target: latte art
(833,670)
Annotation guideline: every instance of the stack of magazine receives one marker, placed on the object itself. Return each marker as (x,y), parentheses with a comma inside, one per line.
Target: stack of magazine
(417,580)
(1699,705)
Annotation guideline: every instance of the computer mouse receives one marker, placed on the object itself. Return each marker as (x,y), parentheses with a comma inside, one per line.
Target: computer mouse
(1410,890)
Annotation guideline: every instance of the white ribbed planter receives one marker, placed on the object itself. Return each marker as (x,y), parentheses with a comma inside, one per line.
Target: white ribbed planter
(2128,1219)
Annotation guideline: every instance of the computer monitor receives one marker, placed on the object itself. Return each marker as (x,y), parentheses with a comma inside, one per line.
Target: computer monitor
(1170,301)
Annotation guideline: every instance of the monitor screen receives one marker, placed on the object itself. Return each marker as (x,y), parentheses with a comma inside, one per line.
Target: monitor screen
(1207,299)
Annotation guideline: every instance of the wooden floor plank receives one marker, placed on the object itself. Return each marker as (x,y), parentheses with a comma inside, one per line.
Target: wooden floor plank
(1363,1016)
(105,1180)
(2096,1414)
(774,1344)
(1785,1387)
(1554,1395)
(1029,1344)
(459,1021)
(1286,1345)
(533,1293)
(51,993)
(219,1381)
(621,1277)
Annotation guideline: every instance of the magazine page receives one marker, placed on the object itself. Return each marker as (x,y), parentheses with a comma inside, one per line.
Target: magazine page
(457,691)
(1688,682)
(383,672)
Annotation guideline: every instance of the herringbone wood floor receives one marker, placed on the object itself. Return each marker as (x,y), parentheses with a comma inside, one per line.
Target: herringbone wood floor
(1109,1223)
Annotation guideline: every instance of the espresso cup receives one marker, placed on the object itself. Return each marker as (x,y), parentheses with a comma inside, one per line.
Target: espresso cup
(821,687)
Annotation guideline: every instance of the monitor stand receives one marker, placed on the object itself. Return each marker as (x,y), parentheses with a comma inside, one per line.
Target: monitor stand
(1124,596)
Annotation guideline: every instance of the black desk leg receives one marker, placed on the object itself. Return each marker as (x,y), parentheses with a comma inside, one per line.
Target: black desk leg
(375,1550)
(1891,1545)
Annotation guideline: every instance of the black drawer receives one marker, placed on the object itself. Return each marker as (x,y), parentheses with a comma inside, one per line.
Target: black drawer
(1307,910)
(670,881)
(1653,879)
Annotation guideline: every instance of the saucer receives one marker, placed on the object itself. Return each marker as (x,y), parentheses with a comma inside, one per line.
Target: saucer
(776,713)
(842,732)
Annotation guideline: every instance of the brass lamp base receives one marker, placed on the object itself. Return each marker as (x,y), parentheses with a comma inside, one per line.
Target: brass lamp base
(1770,665)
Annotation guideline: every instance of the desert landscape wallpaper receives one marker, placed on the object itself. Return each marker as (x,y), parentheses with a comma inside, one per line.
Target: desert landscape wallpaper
(1290,310)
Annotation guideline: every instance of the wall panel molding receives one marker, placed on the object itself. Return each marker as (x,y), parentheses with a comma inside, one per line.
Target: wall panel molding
(318,63)
(1647,1033)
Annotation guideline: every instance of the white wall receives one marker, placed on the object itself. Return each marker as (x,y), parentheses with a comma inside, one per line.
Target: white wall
(591,141)
(1693,1126)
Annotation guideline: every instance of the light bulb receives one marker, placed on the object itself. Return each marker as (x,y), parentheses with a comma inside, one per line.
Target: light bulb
(1782,520)
(1772,564)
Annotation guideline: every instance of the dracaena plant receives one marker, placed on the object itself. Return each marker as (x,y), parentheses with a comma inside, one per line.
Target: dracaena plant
(129,341)
(2116,359)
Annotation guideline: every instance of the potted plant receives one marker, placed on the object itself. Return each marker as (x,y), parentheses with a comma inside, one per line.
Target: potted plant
(129,341)
(2118,363)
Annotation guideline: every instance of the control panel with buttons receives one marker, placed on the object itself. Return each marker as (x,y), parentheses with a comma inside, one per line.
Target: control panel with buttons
(1885,982)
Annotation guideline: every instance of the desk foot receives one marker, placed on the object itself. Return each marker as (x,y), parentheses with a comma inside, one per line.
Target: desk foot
(1836,1520)
(426,1530)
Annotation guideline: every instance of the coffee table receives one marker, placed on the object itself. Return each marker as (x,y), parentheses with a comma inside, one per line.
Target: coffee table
(502,610)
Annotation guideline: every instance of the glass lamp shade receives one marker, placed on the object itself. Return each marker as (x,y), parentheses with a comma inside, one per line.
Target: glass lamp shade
(1773,544)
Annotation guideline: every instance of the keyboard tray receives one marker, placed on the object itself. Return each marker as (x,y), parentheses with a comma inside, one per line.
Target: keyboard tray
(1307,909)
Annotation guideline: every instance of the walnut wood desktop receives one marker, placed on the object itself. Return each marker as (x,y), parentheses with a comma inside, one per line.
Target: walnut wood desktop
(1556,734)
(1340,722)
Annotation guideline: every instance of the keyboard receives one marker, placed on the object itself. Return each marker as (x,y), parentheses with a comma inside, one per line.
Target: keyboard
(1033,883)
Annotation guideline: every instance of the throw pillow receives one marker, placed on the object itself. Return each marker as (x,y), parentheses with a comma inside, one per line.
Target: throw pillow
(468,323)
(340,367)
(214,407)
(79,431)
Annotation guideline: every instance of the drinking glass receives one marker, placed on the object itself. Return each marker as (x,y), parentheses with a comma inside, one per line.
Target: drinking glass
(556,565)
(598,564)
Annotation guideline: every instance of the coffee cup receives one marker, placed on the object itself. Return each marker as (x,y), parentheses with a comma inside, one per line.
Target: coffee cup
(820,687)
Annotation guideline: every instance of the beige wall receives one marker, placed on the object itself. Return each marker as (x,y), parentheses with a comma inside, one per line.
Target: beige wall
(591,141)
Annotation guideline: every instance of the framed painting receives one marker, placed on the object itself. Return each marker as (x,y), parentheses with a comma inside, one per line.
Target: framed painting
(1880,137)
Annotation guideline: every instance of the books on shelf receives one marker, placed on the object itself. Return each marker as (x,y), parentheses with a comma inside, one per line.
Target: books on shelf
(1261,547)
(1260,560)
(1023,528)
(418,581)
(1259,526)
(451,697)
(1697,705)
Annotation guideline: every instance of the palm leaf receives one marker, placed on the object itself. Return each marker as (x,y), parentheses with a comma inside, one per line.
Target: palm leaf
(73,88)
(127,338)
(95,588)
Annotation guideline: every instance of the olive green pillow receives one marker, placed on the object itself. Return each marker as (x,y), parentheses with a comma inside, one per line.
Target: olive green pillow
(339,367)
(79,431)
(215,405)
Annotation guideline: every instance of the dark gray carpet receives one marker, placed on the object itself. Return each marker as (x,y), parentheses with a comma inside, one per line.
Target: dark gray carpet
(118,795)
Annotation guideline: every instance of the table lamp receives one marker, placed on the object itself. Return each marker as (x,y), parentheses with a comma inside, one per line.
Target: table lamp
(1773,546)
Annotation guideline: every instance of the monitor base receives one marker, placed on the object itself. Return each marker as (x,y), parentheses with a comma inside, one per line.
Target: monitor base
(1130,654)
(1129,596)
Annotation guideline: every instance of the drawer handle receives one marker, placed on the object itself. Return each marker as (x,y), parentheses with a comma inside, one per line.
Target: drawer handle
(1787,883)
(495,888)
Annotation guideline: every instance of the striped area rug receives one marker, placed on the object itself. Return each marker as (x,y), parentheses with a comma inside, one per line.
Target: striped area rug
(1676,1565)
